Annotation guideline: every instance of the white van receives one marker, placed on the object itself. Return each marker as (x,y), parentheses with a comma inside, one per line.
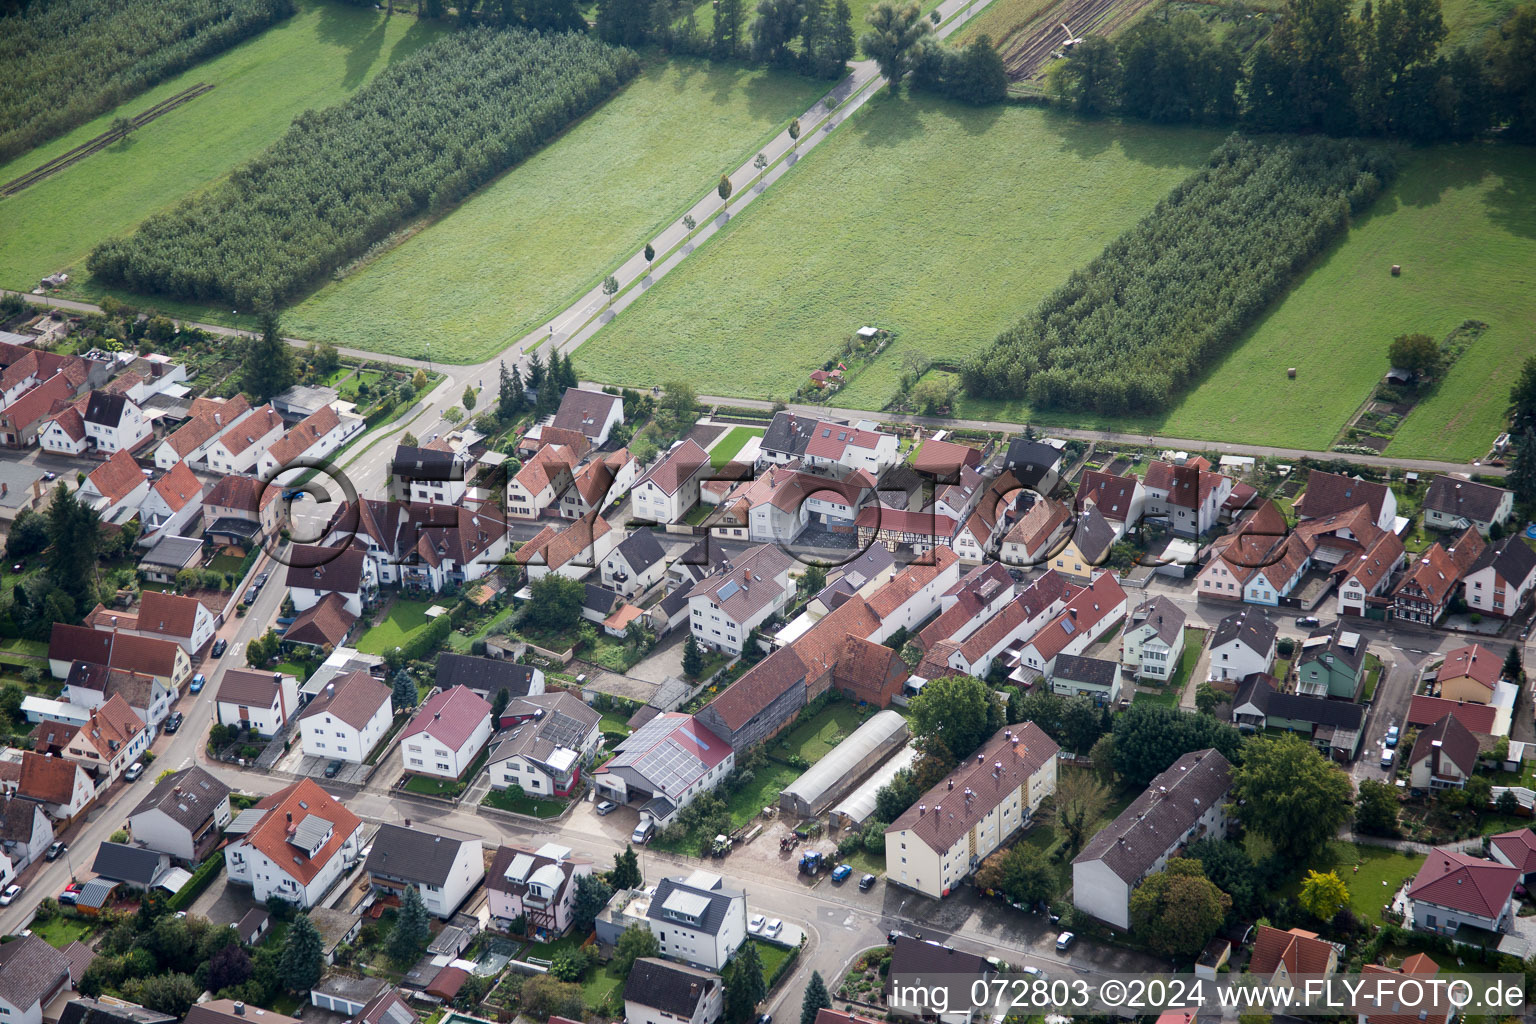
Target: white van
(643,831)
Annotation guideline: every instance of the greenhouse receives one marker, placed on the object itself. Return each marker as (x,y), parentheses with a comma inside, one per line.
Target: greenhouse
(859,806)
(845,765)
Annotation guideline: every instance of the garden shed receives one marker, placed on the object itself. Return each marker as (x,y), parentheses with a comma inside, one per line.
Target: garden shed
(845,765)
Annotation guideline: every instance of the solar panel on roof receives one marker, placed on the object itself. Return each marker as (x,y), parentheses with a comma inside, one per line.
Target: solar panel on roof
(728,591)
(1067,627)
(690,734)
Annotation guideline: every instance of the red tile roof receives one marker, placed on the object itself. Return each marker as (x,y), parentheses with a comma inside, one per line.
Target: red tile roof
(762,684)
(1473,662)
(294,803)
(327,621)
(178,487)
(304,435)
(1085,611)
(170,614)
(48,779)
(1465,883)
(117,477)
(902,587)
(451,717)
(1519,846)
(1301,951)
(677,467)
(37,403)
(144,654)
(1328,493)
(258,424)
(1477,717)
(1112,494)
(354,698)
(943,459)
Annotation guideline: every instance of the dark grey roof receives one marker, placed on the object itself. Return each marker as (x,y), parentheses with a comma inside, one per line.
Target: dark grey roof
(1145,831)
(788,434)
(675,602)
(1354,656)
(484,676)
(1031,460)
(1455,496)
(1092,534)
(1258,689)
(673,989)
(1078,669)
(641,550)
(675,900)
(937,967)
(414,463)
(30,971)
(1165,618)
(187,797)
(875,560)
(585,411)
(252,923)
(405,853)
(89,1011)
(173,552)
(1512,558)
(105,408)
(561,721)
(1250,626)
(18,819)
(601,599)
(132,864)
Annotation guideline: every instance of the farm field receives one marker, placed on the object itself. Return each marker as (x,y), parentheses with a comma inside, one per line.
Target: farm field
(525,245)
(948,222)
(1478,206)
(316,59)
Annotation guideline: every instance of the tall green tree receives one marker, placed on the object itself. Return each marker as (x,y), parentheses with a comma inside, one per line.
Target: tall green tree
(958,712)
(1522,475)
(412,929)
(1292,796)
(744,986)
(626,869)
(555,601)
(1089,79)
(509,395)
(1233,871)
(1323,894)
(895,30)
(268,364)
(592,895)
(774,29)
(1178,909)
(1376,808)
(842,46)
(726,41)
(1416,353)
(74,536)
(816,999)
(1150,737)
(303,957)
(636,942)
(1511,61)
(1315,40)
(693,657)
(1079,802)
(403,691)
(1023,873)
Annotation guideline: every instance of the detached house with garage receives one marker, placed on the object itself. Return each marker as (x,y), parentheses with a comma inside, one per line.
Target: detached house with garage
(1469,674)
(671,487)
(1153,641)
(538,485)
(1456,890)
(1244,643)
(1502,578)
(636,565)
(114,423)
(1453,503)
(315,571)
(258,701)
(347,719)
(698,920)
(240,510)
(958,823)
(115,489)
(295,845)
(551,737)
(111,739)
(447,734)
(183,816)
(310,440)
(538,885)
(1184,803)
(1444,755)
(444,869)
(593,413)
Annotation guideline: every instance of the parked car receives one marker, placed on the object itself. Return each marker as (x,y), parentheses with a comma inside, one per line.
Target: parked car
(134,771)
(332,769)
(219,647)
(1032,972)
(1392,735)
(867,883)
(1387,757)
(71,894)
(841,873)
(57,849)
(1308,622)
(174,722)
(755,923)
(605,807)
(197,683)
(10,894)
(1064,941)
(772,928)
(50,475)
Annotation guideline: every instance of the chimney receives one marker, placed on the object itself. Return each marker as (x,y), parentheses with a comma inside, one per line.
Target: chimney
(693,990)
(951,783)
(922,809)
(290,817)
(239,1009)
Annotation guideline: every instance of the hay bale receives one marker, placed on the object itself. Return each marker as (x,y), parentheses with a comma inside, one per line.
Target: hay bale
(1291,373)
(1397,270)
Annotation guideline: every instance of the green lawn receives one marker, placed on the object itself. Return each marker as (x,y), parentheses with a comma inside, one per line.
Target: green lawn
(1461,221)
(311,61)
(34,648)
(1367,894)
(503,799)
(404,619)
(732,443)
(748,801)
(814,738)
(524,247)
(940,222)
(1467,21)
(1194,643)
(428,785)
(771,955)
(226,563)
(614,722)
(1372,676)
(61,931)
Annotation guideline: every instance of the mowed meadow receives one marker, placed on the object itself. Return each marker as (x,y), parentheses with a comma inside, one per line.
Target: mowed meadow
(526,245)
(317,58)
(939,222)
(1461,222)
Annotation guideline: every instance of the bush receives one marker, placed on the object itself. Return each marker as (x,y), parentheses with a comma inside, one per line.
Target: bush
(201,878)
(849,845)
(425,133)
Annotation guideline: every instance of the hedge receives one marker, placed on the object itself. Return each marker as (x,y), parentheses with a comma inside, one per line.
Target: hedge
(200,880)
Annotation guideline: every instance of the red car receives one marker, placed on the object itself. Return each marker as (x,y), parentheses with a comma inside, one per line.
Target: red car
(71,893)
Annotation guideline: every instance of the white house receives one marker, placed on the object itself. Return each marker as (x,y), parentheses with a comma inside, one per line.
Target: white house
(698,920)
(538,885)
(174,501)
(116,488)
(1186,802)
(1244,643)
(671,487)
(594,413)
(572,552)
(1453,503)
(1502,577)
(547,475)
(550,737)
(258,701)
(183,620)
(1368,574)
(33,974)
(239,448)
(1088,614)
(1153,640)
(636,565)
(443,868)
(852,448)
(664,765)
(184,815)
(114,422)
(314,437)
(110,740)
(63,787)
(958,823)
(1187,497)
(314,571)
(447,734)
(1330,493)
(434,473)
(64,433)
(725,607)
(190,441)
(912,596)
(658,992)
(599,482)
(1454,889)
(25,831)
(295,844)
(347,719)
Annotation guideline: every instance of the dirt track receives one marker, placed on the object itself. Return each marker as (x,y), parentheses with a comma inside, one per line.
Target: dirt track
(1042,41)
